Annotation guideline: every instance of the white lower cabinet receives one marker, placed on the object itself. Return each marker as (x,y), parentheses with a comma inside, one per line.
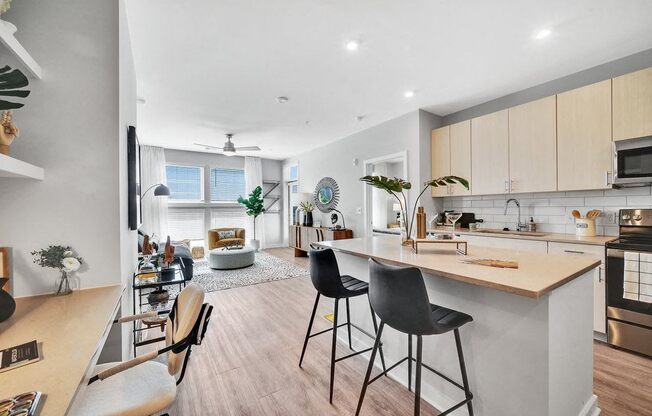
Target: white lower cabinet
(599,292)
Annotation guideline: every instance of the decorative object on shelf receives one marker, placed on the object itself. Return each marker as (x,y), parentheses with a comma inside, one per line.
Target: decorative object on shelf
(307,207)
(255,207)
(397,209)
(62,258)
(11,83)
(326,194)
(147,269)
(421,223)
(4,6)
(334,219)
(198,252)
(158,296)
(167,271)
(396,187)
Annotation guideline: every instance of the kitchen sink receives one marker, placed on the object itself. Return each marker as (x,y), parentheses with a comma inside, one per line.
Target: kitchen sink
(527,233)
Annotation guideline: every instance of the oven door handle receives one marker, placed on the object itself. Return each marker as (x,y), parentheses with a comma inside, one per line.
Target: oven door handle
(617,253)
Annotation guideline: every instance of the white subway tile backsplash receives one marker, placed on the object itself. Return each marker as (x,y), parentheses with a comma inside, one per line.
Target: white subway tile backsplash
(605,201)
(481,204)
(549,210)
(566,202)
(644,190)
(639,201)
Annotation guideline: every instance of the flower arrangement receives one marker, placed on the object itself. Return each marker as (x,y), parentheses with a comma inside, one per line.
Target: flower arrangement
(307,206)
(62,258)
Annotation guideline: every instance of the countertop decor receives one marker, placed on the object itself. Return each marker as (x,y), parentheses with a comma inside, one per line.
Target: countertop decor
(62,258)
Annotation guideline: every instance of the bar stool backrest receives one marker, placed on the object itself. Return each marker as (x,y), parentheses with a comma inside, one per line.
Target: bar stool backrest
(399,297)
(325,274)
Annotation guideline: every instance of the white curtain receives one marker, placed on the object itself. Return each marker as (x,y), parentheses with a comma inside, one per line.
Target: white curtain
(253,178)
(155,208)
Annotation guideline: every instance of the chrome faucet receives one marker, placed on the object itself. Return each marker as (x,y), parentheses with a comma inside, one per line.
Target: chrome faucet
(519,226)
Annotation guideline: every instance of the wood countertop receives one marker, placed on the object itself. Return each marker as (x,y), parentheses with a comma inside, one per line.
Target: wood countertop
(598,240)
(70,331)
(537,275)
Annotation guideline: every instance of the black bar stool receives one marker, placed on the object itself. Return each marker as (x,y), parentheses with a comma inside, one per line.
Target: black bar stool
(326,278)
(400,298)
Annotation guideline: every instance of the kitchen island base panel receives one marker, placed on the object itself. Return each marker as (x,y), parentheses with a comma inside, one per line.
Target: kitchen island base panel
(524,356)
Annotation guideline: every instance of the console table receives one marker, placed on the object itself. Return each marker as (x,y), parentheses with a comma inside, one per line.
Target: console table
(301,237)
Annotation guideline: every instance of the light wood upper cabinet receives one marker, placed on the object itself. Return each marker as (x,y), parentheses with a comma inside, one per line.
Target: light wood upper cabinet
(584,137)
(460,160)
(632,105)
(441,157)
(533,146)
(490,153)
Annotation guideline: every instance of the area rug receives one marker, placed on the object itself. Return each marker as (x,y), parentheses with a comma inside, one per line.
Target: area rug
(267,268)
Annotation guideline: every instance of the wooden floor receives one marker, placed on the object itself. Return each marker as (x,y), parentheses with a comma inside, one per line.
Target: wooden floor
(248,363)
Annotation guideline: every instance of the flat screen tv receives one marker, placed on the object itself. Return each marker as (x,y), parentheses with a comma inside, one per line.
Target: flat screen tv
(133,178)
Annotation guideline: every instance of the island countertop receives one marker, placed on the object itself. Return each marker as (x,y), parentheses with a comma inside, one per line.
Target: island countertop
(537,274)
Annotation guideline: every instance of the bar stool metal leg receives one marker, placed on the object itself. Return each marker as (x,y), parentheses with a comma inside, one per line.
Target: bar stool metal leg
(348,321)
(373,320)
(417,382)
(409,362)
(312,319)
(333,351)
(465,380)
(370,367)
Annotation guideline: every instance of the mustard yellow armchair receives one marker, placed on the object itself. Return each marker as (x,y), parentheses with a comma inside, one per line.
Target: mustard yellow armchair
(215,241)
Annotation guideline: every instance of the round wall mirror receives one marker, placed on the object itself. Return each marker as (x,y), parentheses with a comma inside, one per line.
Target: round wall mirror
(326,194)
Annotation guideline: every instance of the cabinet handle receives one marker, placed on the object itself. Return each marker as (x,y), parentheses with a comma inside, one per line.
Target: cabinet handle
(599,274)
(574,252)
(506,185)
(511,185)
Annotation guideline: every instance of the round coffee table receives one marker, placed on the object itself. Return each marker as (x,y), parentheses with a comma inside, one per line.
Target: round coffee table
(223,259)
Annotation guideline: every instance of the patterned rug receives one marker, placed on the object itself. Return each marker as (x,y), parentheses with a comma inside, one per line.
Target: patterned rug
(267,268)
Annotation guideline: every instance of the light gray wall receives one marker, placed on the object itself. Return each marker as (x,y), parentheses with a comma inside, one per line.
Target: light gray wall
(272,170)
(70,127)
(427,122)
(335,160)
(608,70)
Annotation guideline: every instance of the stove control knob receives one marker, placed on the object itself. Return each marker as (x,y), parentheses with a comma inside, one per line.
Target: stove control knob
(626,217)
(637,217)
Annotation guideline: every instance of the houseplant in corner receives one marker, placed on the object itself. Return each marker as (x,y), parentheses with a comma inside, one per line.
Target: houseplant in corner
(255,207)
(397,187)
(62,258)
(10,84)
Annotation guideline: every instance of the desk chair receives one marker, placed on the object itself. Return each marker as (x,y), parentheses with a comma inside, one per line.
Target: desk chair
(140,386)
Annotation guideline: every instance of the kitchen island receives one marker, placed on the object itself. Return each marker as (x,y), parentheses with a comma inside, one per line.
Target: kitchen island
(529,350)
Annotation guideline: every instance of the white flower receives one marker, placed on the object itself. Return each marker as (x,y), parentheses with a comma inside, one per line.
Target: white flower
(68,253)
(70,264)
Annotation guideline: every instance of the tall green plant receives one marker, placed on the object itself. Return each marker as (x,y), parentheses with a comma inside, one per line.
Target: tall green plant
(10,84)
(396,187)
(254,204)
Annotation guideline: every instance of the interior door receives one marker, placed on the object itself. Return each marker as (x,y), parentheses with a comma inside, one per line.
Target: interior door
(584,138)
(441,157)
(460,160)
(490,154)
(533,146)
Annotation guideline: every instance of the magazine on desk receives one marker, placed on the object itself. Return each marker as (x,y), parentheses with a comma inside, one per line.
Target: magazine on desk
(19,356)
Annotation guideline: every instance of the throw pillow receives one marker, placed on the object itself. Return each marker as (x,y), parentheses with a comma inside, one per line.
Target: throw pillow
(226,234)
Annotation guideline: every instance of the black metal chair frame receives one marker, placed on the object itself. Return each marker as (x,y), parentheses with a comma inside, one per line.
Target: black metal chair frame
(417,383)
(334,328)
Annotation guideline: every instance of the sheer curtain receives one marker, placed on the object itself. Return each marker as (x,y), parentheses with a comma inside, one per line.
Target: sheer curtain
(253,178)
(155,208)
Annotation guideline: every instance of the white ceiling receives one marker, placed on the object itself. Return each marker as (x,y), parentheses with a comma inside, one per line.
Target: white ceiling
(208,67)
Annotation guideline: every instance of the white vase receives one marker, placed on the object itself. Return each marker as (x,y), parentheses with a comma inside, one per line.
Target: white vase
(255,244)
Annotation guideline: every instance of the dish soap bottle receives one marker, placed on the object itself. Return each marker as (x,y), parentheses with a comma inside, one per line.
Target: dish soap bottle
(531,226)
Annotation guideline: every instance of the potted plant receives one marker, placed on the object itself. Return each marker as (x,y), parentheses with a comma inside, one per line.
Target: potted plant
(11,82)
(62,258)
(396,188)
(308,208)
(255,207)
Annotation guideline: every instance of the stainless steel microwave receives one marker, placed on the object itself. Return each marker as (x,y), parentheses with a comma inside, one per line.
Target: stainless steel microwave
(633,162)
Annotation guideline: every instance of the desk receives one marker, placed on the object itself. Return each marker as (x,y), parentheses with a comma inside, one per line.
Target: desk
(71,331)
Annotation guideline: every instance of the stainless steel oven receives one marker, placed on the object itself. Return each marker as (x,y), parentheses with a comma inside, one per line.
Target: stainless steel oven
(633,161)
(629,283)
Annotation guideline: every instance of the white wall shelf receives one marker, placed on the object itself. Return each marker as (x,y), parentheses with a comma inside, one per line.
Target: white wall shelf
(14,168)
(7,31)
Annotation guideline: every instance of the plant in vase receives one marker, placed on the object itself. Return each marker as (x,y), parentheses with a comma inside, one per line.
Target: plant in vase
(11,82)
(397,187)
(62,258)
(308,208)
(255,207)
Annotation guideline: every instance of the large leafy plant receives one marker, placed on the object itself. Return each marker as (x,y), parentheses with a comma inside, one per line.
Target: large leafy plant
(253,204)
(11,83)
(397,187)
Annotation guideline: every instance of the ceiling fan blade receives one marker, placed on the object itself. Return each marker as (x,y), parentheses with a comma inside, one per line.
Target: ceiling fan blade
(248,148)
(208,146)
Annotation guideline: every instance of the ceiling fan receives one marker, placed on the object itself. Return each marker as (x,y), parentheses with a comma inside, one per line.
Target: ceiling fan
(229,149)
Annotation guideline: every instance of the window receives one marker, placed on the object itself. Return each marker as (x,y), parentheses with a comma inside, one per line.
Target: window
(227,185)
(293,173)
(186,224)
(186,183)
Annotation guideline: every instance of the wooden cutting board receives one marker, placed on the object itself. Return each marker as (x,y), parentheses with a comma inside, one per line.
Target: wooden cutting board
(503,264)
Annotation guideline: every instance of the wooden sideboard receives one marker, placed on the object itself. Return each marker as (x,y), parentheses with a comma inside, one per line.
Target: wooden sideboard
(301,237)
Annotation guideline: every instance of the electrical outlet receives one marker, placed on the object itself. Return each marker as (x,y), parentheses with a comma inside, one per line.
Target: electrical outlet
(358,210)
(609,217)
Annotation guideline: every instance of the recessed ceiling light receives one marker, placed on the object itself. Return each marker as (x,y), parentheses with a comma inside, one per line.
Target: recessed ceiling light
(543,33)
(408,94)
(352,45)
(282,99)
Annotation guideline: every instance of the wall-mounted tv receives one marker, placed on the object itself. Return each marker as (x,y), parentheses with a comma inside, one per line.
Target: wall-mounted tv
(133,178)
